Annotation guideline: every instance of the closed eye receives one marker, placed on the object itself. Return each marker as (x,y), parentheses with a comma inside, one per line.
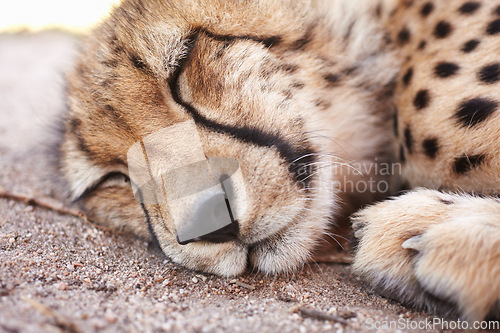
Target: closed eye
(112,179)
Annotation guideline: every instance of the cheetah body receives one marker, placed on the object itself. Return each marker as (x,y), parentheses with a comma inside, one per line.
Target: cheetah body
(310,92)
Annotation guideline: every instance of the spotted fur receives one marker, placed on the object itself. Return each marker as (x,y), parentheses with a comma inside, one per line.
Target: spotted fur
(438,248)
(304,94)
(265,86)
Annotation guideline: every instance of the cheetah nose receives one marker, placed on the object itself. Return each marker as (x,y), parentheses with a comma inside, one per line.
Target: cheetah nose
(212,221)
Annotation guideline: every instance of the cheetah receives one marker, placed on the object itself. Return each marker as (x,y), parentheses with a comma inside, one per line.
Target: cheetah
(286,116)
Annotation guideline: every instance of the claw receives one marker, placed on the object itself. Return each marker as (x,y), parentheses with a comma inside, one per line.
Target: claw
(415,243)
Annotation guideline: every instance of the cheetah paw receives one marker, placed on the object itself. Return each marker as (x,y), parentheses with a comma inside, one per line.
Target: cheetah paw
(432,250)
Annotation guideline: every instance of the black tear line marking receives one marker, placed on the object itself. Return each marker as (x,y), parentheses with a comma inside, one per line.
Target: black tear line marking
(296,158)
(267,41)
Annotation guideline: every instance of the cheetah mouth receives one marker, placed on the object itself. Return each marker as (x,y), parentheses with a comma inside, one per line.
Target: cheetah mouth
(226,252)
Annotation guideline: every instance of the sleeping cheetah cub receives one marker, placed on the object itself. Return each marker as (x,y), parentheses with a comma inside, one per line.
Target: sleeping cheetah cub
(234,133)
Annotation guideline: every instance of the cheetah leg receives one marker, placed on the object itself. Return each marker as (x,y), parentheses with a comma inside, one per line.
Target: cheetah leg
(433,250)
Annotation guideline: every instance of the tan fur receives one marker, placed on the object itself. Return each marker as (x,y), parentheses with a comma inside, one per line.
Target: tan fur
(446,94)
(119,93)
(321,78)
(427,241)
(427,248)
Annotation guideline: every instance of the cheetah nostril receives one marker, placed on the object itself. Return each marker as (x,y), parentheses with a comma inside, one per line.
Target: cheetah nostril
(212,221)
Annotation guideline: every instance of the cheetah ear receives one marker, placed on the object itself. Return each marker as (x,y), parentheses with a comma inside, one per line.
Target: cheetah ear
(162,48)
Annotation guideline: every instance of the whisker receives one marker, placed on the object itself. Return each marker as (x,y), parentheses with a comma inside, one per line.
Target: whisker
(331,234)
(316,154)
(336,241)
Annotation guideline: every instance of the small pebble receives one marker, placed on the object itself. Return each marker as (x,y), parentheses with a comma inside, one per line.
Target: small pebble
(110,318)
(12,240)
(99,324)
(28,209)
(202,277)
(62,286)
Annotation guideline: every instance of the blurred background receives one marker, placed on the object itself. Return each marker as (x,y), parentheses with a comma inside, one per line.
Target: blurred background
(36,15)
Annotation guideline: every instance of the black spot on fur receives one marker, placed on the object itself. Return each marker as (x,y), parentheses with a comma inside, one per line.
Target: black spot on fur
(494,27)
(408,139)
(407,77)
(271,41)
(431,147)
(117,119)
(322,104)
(404,36)
(469,7)
(470,45)
(350,70)
(445,69)
(442,29)
(497,10)
(464,164)
(288,94)
(421,99)
(289,68)
(117,47)
(304,40)
(490,73)
(138,63)
(74,125)
(332,79)
(422,45)
(298,85)
(476,110)
(83,146)
(427,8)
(110,62)
(446,202)
(378,10)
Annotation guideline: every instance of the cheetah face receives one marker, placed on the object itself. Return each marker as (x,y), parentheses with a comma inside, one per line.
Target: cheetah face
(139,144)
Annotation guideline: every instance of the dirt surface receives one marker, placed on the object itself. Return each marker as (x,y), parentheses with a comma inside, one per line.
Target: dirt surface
(59,273)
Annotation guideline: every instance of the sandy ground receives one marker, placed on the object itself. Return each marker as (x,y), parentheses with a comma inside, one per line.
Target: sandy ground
(59,273)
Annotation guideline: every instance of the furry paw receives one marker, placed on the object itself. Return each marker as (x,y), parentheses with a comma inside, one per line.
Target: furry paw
(436,251)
